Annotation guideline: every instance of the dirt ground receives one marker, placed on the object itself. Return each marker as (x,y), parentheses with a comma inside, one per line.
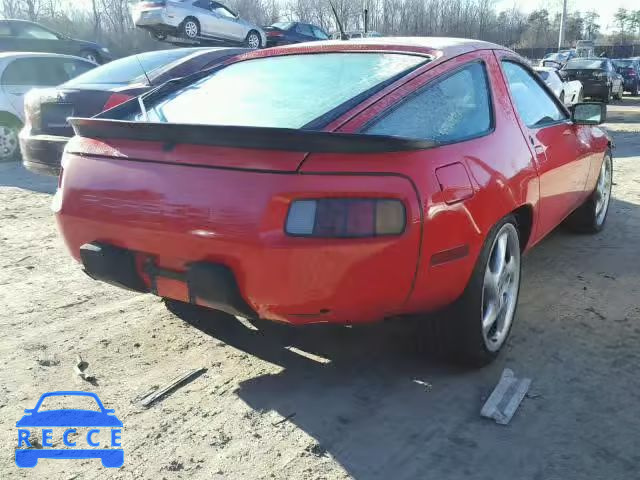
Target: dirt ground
(266,408)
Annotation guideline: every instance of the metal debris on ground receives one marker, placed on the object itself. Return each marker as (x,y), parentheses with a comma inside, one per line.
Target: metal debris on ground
(80,368)
(427,386)
(506,397)
(173,385)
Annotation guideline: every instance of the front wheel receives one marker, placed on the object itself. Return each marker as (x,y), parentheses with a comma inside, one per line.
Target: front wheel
(592,214)
(476,327)
(190,28)
(253,40)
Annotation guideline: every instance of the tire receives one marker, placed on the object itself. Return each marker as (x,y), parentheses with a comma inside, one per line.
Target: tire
(91,55)
(591,216)
(160,36)
(458,332)
(9,146)
(253,40)
(190,28)
(636,92)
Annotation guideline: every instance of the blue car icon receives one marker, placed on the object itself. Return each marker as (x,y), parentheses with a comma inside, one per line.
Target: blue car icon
(105,418)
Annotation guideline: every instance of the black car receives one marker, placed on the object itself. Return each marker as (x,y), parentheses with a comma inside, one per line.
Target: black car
(24,36)
(598,76)
(47,131)
(285,33)
(629,68)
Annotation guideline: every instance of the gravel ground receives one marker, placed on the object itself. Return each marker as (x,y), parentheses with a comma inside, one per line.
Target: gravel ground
(327,403)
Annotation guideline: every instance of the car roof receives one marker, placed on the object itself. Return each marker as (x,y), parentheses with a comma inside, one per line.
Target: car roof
(435,47)
(13,55)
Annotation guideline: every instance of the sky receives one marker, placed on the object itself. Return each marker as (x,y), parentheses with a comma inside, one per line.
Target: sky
(606,8)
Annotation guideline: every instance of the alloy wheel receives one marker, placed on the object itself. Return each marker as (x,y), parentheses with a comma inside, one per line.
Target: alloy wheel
(500,287)
(8,142)
(191,29)
(253,41)
(603,190)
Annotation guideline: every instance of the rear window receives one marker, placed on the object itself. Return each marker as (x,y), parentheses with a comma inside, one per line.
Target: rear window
(125,70)
(585,63)
(283,25)
(283,92)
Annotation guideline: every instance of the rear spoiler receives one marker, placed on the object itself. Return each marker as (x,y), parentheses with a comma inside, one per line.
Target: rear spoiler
(262,138)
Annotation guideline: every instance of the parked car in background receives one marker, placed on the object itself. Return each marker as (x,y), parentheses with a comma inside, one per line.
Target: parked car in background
(339,182)
(197,20)
(598,77)
(355,34)
(47,130)
(24,36)
(630,71)
(286,33)
(568,91)
(585,49)
(557,59)
(19,73)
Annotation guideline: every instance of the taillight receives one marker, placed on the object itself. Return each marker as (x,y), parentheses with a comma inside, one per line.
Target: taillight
(274,33)
(632,73)
(115,100)
(346,218)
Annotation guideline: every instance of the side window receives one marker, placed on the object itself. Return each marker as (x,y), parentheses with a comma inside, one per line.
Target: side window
(202,4)
(319,34)
(22,71)
(28,30)
(454,108)
(534,105)
(304,29)
(222,10)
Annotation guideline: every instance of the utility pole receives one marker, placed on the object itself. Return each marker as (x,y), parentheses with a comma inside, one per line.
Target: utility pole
(563,22)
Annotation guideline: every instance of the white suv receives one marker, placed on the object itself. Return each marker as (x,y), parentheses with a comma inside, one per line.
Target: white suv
(196,20)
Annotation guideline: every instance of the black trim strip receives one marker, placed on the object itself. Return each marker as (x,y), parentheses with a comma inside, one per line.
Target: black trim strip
(262,138)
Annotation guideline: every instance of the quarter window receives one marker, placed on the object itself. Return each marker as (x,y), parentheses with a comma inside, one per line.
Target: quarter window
(534,105)
(447,110)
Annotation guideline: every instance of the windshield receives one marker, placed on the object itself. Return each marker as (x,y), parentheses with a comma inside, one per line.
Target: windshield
(586,63)
(128,69)
(623,63)
(283,92)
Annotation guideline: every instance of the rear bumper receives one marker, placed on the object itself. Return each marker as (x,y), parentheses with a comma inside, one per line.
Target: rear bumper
(594,89)
(155,18)
(185,222)
(42,153)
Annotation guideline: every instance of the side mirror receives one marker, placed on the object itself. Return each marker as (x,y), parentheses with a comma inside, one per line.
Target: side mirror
(589,113)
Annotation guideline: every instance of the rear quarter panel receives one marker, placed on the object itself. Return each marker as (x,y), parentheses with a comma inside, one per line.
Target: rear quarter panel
(500,168)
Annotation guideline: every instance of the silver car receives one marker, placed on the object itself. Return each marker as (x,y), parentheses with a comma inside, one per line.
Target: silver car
(196,20)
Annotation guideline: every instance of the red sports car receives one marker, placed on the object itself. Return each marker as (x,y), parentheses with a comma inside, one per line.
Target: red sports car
(341,182)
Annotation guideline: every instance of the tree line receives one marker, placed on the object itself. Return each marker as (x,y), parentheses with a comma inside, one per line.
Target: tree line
(110,22)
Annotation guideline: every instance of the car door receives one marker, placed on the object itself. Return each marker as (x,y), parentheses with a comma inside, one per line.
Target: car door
(209,23)
(230,27)
(560,148)
(20,76)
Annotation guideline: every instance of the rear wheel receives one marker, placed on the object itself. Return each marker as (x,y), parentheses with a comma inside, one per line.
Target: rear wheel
(592,214)
(190,28)
(476,327)
(158,35)
(9,149)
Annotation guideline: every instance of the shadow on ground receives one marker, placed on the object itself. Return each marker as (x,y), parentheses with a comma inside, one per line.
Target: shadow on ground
(13,174)
(576,336)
